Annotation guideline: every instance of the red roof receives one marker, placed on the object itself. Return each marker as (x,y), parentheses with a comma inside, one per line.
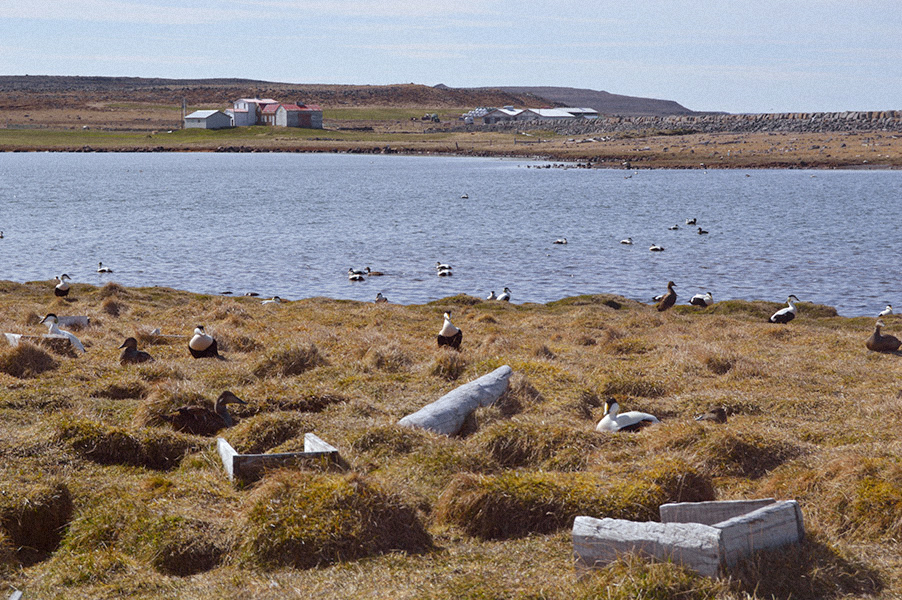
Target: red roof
(295,107)
(270,108)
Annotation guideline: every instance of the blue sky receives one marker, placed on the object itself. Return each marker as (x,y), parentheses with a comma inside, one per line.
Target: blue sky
(764,56)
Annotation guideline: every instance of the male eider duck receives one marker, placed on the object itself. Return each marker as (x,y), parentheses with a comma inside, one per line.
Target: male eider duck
(200,420)
(202,345)
(882,343)
(717,415)
(785,315)
(628,241)
(505,296)
(702,299)
(656,248)
(372,273)
(691,221)
(449,335)
(102,269)
(631,420)
(130,353)
(273,300)
(62,288)
(380,298)
(491,296)
(355,276)
(464,197)
(886,311)
(52,322)
(444,272)
(440,266)
(673,227)
(702,231)
(669,298)
(560,241)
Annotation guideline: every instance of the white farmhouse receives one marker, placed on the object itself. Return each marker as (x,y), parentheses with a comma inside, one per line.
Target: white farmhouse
(502,115)
(208,119)
(248,111)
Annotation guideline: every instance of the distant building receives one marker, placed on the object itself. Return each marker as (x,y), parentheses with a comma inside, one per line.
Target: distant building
(299,115)
(256,111)
(208,119)
(248,111)
(502,115)
(490,116)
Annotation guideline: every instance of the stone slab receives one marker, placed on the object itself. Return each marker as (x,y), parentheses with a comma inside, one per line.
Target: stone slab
(709,513)
(772,526)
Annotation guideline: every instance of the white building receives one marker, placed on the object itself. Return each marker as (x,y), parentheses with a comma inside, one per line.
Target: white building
(247,111)
(208,119)
(299,115)
(502,115)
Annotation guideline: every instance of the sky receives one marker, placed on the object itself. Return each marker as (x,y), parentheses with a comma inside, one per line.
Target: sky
(709,55)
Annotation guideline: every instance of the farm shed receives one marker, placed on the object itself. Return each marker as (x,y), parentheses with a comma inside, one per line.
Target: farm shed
(247,111)
(299,115)
(502,115)
(208,119)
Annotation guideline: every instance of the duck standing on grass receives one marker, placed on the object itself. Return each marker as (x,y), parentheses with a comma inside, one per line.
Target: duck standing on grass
(702,300)
(669,298)
(130,353)
(52,322)
(203,345)
(882,343)
(200,420)
(886,311)
(62,288)
(505,296)
(380,298)
(449,335)
(785,315)
(631,420)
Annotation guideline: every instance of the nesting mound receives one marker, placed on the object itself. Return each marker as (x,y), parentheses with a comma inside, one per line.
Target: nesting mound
(264,432)
(514,504)
(181,546)
(550,447)
(303,520)
(33,517)
(116,391)
(152,448)
(388,440)
(448,365)
(285,362)
(26,360)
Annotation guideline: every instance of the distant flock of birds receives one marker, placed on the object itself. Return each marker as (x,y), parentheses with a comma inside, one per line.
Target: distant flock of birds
(654,247)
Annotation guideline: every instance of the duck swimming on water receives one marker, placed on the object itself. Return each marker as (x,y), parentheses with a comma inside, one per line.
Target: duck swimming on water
(632,420)
(628,241)
(102,269)
(656,248)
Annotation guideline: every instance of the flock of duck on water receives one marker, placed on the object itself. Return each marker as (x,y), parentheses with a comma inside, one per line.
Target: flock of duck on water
(200,420)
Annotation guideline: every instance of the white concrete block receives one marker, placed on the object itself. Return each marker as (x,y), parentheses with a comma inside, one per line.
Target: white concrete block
(709,513)
(447,414)
(772,526)
(600,541)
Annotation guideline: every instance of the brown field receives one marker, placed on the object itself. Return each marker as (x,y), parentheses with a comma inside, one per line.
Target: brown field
(99,498)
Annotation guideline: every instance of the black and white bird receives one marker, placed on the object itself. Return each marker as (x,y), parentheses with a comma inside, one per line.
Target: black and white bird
(882,343)
(380,298)
(202,345)
(102,269)
(62,288)
(785,315)
(886,311)
(656,248)
(691,221)
(560,241)
(355,275)
(449,335)
(273,300)
(628,241)
(669,298)
(491,296)
(705,299)
(440,266)
(673,227)
(52,323)
(130,353)
(505,295)
(614,420)
(702,231)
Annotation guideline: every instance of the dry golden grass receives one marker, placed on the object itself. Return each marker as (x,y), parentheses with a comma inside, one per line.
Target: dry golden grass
(812,416)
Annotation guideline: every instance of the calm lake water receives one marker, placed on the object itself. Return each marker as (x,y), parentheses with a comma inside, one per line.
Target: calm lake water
(292,224)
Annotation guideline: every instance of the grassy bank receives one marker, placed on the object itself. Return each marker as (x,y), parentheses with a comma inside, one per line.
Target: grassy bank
(102,499)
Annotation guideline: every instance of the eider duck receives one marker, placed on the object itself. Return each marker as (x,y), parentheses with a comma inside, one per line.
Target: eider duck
(631,420)
(440,266)
(464,197)
(102,269)
(358,276)
(372,273)
(560,241)
(203,345)
(785,315)
(886,311)
(273,300)
(717,415)
(702,231)
(251,294)
(669,298)
(628,241)
(656,248)
(882,343)
(673,227)
(380,298)
(505,296)
(691,221)
(130,353)
(702,299)
(52,322)
(491,296)
(200,420)
(444,272)
(62,288)
(449,335)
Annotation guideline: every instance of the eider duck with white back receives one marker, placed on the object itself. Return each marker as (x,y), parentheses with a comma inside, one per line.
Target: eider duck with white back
(52,322)
(202,345)
(449,335)
(882,343)
(702,299)
(632,420)
(491,296)
(62,288)
(505,296)
(886,311)
(628,241)
(102,269)
(656,248)
(785,315)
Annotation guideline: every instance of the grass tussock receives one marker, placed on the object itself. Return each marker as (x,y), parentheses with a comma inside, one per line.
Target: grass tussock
(632,576)
(448,365)
(266,431)
(387,440)
(121,391)
(111,289)
(175,545)
(26,361)
(391,358)
(152,448)
(511,445)
(288,362)
(517,503)
(304,520)
(112,307)
(630,383)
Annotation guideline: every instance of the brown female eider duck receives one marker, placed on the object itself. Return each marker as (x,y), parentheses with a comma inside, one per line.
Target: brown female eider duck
(882,343)
(130,353)
(200,420)
(717,415)
(668,299)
